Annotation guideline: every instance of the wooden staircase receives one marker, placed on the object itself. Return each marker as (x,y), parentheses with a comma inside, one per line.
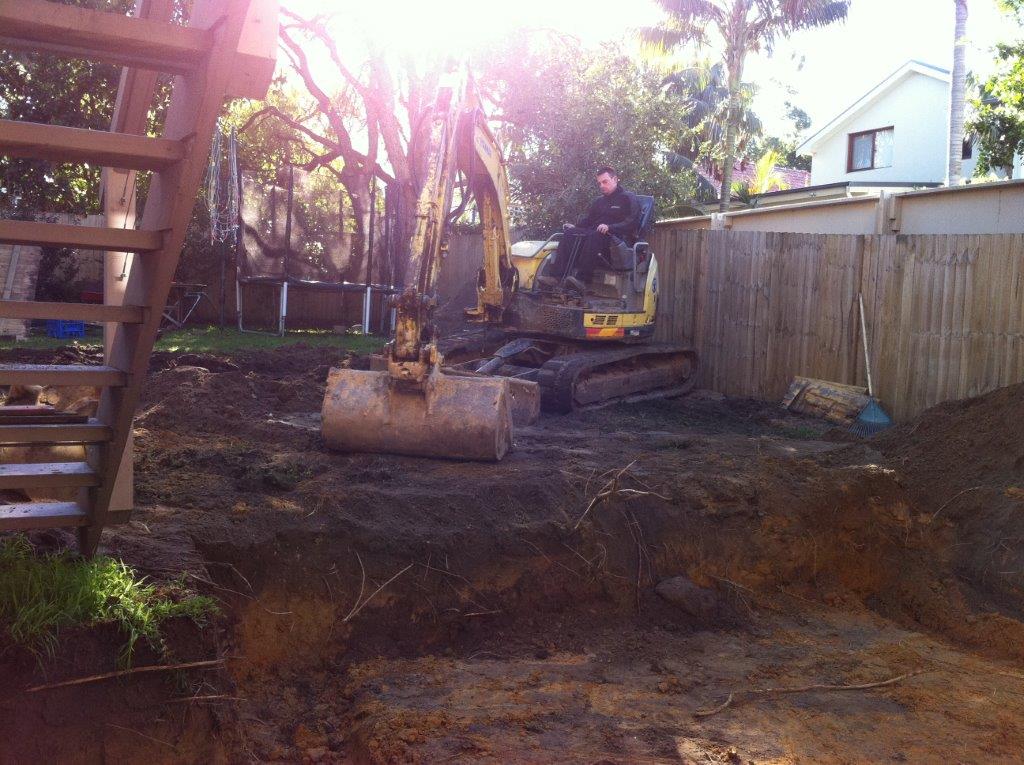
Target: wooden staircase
(227,50)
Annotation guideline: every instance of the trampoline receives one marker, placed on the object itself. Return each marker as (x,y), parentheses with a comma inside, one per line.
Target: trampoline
(296,235)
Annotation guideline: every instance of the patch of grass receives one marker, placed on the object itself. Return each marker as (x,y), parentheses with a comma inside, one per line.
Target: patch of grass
(800,433)
(216,340)
(91,341)
(40,595)
(227,341)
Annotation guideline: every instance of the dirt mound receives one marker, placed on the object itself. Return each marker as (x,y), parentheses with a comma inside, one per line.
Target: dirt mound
(963,461)
(230,395)
(959,444)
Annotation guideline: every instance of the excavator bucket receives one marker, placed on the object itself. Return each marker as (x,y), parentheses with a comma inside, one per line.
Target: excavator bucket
(466,418)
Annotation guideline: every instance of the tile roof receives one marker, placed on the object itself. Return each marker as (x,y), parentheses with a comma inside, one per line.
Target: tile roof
(745,170)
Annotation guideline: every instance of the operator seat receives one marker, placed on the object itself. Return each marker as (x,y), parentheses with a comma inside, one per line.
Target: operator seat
(627,256)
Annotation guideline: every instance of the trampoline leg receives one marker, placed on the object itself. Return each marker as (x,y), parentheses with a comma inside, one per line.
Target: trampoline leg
(367,302)
(238,304)
(284,309)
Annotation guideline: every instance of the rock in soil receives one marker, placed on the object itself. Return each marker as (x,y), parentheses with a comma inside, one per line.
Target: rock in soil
(699,602)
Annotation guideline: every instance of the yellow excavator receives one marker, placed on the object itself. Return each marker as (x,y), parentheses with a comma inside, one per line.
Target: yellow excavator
(562,347)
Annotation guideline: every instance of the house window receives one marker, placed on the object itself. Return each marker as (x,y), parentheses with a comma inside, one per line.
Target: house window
(870,149)
(968,150)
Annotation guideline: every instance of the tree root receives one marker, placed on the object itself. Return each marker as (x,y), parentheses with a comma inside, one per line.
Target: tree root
(802,689)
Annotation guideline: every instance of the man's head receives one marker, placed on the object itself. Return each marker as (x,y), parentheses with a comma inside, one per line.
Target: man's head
(607,180)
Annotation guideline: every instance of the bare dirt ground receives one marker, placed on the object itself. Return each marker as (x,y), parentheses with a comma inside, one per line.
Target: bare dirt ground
(382,609)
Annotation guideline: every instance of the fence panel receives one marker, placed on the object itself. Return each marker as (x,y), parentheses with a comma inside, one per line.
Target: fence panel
(761,307)
(944,313)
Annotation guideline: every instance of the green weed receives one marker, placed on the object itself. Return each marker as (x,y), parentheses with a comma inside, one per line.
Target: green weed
(800,433)
(41,595)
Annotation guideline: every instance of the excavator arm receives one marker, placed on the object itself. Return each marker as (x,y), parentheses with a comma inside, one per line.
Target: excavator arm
(484,166)
(413,407)
(459,142)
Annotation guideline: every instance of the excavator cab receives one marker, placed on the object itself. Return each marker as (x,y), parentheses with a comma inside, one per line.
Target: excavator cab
(623,258)
(591,347)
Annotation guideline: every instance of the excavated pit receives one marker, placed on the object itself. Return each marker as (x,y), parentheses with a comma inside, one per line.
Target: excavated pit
(385,609)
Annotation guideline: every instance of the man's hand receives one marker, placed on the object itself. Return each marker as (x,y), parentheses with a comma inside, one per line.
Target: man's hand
(603,228)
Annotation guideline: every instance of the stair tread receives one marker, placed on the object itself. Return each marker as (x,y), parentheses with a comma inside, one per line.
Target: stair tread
(61,374)
(37,309)
(105,238)
(41,515)
(23,475)
(39,414)
(97,147)
(50,433)
(102,36)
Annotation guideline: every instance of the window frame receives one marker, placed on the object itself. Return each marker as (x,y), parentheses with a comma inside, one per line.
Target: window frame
(851,137)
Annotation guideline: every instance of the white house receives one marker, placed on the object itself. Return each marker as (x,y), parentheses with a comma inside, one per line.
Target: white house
(896,134)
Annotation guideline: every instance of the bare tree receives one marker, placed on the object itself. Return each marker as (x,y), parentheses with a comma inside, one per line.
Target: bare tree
(958,94)
(352,133)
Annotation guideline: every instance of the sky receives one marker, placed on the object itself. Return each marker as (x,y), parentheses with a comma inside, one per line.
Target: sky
(822,70)
(831,68)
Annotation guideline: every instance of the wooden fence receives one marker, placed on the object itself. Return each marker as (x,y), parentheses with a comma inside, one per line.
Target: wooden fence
(945,313)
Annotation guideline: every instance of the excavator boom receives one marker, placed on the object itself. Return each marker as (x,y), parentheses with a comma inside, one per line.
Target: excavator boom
(412,407)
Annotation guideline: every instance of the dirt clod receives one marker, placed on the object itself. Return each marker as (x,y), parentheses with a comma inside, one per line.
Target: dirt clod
(680,591)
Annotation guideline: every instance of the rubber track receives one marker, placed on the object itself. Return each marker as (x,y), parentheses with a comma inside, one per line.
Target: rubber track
(557,377)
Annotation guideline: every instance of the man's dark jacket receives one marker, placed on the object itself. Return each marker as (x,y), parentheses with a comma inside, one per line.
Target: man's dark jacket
(620,210)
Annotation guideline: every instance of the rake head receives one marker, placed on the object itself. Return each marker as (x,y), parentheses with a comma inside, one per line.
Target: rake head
(872,419)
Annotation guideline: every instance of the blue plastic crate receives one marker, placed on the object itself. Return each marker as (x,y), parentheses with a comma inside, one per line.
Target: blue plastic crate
(62,329)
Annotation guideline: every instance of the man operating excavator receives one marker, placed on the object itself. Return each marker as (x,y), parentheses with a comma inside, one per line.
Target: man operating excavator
(611,223)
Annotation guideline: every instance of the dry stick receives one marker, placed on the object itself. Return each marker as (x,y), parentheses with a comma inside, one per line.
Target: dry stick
(144,735)
(362,582)
(552,561)
(609,488)
(213,697)
(950,500)
(359,606)
(805,689)
(123,672)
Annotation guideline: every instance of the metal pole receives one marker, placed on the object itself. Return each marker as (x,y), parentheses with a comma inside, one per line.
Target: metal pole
(368,298)
(222,250)
(282,319)
(238,302)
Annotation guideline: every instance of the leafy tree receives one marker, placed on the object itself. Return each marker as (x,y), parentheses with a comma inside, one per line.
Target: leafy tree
(356,130)
(704,91)
(51,89)
(766,178)
(563,111)
(742,26)
(785,146)
(999,109)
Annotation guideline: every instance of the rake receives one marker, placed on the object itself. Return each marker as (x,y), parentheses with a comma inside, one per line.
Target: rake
(872,418)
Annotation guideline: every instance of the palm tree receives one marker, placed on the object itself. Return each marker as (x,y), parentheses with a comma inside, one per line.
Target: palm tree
(744,26)
(958,94)
(702,88)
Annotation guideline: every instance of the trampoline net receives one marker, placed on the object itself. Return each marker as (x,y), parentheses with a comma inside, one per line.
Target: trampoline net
(303,230)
